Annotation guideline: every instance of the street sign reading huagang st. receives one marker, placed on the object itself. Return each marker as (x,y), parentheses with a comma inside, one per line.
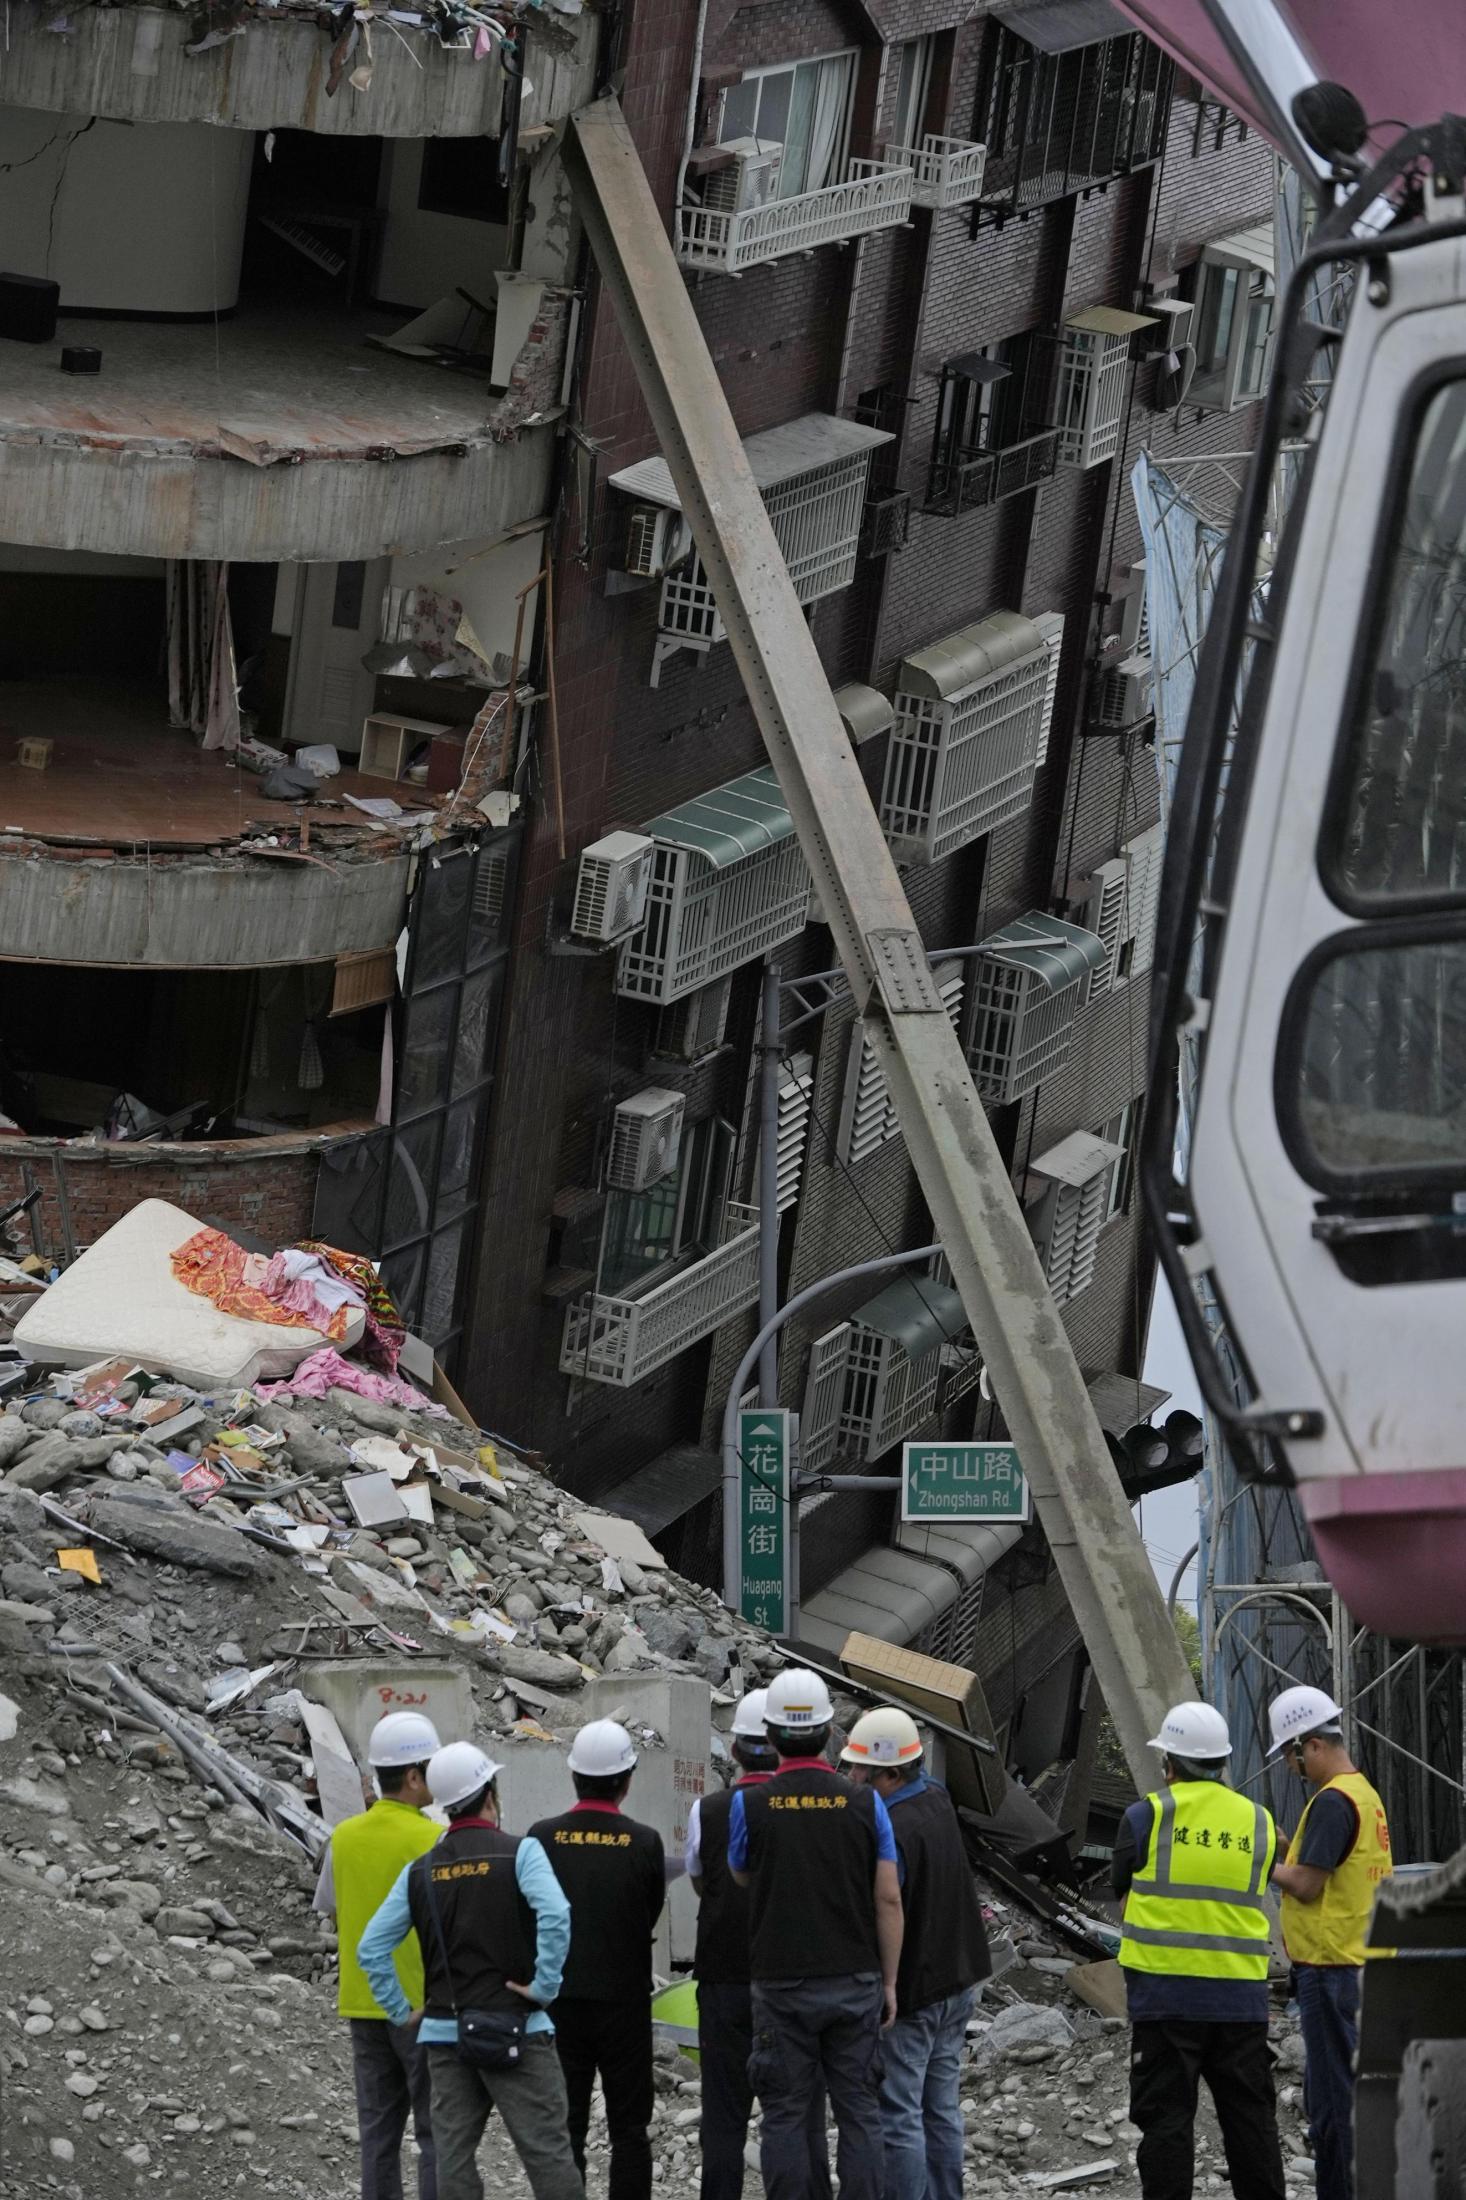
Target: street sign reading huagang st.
(765,1447)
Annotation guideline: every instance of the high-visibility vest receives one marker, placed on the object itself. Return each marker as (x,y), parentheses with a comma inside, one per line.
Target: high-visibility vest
(1332,1929)
(1195,1907)
(367,1854)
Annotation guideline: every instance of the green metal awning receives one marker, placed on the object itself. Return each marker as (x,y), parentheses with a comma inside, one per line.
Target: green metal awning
(1109,321)
(950,667)
(918,1314)
(1055,951)
(728,823)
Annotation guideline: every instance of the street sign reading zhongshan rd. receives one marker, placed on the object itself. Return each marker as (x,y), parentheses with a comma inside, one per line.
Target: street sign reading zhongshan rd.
(962,1482)
(764,1447)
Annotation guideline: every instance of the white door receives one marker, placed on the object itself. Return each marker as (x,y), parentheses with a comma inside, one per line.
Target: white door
(338,618)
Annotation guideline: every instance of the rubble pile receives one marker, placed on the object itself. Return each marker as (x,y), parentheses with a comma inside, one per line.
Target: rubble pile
(178,1566)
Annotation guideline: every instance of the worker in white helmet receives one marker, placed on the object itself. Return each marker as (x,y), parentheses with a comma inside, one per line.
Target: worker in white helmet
(944,1953)
(365,1856)
(818,1857)
(1335,1863)
(614,1875)
(720,1966)
(1192,1864)
(493,1926)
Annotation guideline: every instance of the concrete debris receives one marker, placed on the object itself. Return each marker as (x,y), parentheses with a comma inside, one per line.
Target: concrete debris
(171,1732)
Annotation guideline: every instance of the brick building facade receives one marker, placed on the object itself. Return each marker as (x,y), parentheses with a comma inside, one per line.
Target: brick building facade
(859,330)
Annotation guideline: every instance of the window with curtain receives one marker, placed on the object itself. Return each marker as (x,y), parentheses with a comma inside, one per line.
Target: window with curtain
(803,107)
(678,1219)
(913,83)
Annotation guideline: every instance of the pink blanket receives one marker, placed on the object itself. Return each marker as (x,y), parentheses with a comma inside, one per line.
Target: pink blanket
(326,1370)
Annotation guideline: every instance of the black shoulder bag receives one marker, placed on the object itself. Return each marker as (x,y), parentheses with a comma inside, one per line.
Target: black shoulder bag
(488,2039)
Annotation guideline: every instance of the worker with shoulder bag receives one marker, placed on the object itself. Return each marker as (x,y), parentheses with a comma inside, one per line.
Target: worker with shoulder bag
(494,1929)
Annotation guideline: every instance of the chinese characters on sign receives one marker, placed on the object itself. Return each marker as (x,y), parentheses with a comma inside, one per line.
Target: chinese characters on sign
(763,1517)
(962,1482)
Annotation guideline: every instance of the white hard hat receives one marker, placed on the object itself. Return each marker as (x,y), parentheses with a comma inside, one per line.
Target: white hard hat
(748,1716)
(402,1738)
(882,1738)
(798,1699)
(602,1750)
(1193,1730)
(1300,1711)
(459,1771)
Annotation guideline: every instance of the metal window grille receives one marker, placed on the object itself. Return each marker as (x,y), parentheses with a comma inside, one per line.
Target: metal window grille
(953,1635)
(796,1085)
(701,922)
(1075,1215)
(816,518)
(1094,381)
(1021,1031)
(1051,625)
(1104,915)
(824,1390)
(868,1117)
(1054,124)
(1143,860)
(887,1397)
(959,766)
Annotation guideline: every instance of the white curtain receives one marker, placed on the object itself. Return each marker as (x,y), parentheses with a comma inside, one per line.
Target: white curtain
(827,131)
(203,688)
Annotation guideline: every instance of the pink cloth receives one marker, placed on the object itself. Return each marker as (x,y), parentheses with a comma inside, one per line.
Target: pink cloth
(326,1370)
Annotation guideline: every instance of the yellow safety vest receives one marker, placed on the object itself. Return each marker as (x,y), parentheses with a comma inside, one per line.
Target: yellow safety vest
(1332,1929)
(1195,1907)
(367,1855)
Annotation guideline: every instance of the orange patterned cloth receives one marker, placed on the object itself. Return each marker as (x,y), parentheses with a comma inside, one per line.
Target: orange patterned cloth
(216,1268)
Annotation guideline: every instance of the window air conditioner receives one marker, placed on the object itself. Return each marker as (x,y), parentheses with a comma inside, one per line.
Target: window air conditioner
(656,539)
(694,1027)
(611,889)
(1173,352)
(645,1134)
(749,180)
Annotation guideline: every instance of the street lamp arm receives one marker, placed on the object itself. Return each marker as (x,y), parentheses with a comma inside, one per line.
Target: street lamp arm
(732,1565)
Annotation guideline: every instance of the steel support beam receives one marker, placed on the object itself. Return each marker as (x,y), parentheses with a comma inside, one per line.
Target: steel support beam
(1083,1510)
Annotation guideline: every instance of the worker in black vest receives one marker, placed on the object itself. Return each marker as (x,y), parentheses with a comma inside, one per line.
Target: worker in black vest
(943,1955)
(724,1996)
(614,1874)
(819,1859)
(493,1927)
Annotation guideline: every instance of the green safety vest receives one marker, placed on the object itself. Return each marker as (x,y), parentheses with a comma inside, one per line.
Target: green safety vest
(368,1853)
(1196,1906)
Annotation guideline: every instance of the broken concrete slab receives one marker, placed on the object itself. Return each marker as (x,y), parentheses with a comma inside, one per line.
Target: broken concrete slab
(55,1458)
(15,1436)
(157,1531)
(1101,1986)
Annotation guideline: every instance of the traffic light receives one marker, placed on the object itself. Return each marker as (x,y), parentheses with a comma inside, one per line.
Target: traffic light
(1148,1458)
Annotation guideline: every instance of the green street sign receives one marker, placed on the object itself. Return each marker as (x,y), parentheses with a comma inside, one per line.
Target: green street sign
(765,1446)
(962,1482)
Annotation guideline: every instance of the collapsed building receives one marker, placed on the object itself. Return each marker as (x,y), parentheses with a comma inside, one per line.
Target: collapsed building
(335,458)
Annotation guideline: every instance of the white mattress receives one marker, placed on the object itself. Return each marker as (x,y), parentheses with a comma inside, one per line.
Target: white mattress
(122,1300)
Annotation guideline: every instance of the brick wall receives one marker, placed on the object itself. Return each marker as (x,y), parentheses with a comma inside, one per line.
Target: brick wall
(269,1195)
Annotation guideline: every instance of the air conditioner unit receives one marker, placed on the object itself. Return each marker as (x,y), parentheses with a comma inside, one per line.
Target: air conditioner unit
(656,538)
(1173,331)
(611,889)
(1122,694)
(750,179)
(645,1134)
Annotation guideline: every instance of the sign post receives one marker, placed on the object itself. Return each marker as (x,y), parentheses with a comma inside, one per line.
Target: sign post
(765,1447)
(963,1482)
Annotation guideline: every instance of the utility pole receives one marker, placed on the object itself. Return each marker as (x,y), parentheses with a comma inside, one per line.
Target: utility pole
(1086,1519)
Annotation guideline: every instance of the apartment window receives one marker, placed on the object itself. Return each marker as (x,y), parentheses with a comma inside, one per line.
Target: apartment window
(1060,106)
(1030,981)
(1074,1181)
(1121,908)
(803,108)
(913,88)
(1235,296)
(868,1118)
(680,1217)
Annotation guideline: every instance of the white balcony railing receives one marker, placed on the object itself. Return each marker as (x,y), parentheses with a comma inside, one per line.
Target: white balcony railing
(610,1340)
(876,194)
(945,171)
